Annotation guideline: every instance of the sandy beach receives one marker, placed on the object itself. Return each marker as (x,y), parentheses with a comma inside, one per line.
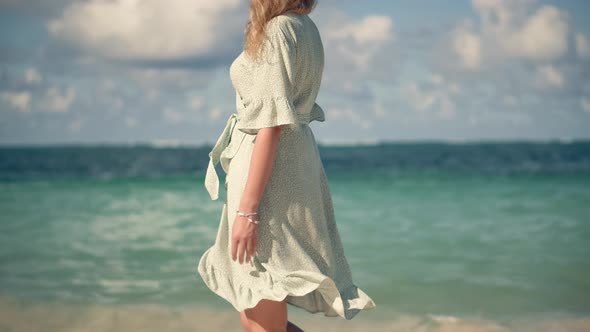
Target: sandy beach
(23,316)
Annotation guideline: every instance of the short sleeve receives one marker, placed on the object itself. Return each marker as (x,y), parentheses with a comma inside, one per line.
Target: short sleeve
(268,100)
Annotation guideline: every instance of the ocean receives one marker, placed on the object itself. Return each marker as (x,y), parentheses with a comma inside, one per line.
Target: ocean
(487,236)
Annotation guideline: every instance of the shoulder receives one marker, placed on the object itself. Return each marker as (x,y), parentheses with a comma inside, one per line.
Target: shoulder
(285,27)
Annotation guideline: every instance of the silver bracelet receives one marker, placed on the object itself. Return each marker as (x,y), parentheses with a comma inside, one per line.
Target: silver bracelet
(247,215)
(240,213)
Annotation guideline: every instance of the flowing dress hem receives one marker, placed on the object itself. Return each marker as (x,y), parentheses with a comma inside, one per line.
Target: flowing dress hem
(345,303)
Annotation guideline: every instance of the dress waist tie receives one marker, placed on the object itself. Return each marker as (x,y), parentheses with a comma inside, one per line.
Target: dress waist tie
(211,178)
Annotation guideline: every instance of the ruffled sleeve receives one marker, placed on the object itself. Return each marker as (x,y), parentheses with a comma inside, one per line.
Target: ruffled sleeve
(268,99)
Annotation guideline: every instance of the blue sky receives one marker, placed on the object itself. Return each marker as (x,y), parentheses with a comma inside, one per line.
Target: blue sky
(154,71)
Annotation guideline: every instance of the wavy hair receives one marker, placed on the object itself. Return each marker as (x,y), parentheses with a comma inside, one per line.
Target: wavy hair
(261,11)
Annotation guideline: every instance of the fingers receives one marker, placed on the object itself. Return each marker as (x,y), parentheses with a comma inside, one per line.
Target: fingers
(241,251)
(244,248)
(234,248)
(247,250)
(253,245)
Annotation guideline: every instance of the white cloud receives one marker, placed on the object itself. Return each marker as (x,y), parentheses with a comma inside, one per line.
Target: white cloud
(32,76)
(154,80)
(509,30)
(346,113)
(523,62)
(358,42)
(172,116)
(130,121)
(437,94)
(18,100)
(196,102)
(543,36)
(54,101)
(447,107)
(467,45)
(379,109)
(420,100)
(215,113)
(582,45)
(585,104)
(369,30)
(549,76)
(148,29)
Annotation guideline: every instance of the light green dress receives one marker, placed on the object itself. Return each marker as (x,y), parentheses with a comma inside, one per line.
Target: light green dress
(299,254)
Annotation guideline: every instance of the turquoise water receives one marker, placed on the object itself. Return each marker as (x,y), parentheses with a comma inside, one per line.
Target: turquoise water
(436,244)
(495,244)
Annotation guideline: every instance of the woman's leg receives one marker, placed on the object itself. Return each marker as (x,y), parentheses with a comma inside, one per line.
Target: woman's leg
(244,321)
(266,316)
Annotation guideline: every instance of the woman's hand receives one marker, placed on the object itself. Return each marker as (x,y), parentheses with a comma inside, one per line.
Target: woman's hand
(244,238)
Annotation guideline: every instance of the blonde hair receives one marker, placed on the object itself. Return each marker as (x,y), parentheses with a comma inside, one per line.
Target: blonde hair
(261,11)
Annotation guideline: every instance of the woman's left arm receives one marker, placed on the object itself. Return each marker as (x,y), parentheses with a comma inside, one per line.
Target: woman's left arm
(244,233)
(268,106)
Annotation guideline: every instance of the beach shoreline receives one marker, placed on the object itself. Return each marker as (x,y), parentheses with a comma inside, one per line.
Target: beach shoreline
(33,316)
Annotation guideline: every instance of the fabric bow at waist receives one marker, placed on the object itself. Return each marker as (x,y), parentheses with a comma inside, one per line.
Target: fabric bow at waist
(211,178)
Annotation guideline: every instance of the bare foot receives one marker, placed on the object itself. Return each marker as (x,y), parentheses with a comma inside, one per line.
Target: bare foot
(293,328)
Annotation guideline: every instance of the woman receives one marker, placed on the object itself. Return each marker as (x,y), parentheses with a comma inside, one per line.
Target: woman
(277,241)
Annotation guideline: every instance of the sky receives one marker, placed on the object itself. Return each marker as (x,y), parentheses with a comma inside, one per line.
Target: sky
(157,72)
